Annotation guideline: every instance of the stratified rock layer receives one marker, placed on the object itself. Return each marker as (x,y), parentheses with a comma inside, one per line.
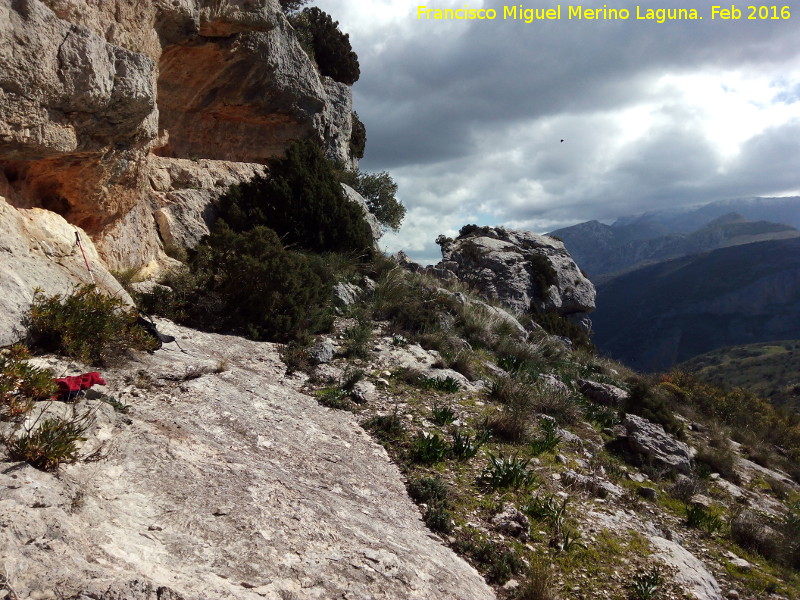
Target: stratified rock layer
(89,91)
(222,482)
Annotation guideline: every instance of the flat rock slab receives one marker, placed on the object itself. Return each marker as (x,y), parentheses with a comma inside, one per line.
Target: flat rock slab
(226,484)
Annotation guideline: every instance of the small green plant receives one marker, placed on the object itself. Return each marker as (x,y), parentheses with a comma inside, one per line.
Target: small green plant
(571,540)
(546,507)
(387,428)
(334,397)
(600,415)
(350,378)
(538,584)
(498,563)
(428,490)
(465,446)
(645,584)
(86,325)
(427,448)
(21,384)
(357,339)
(118,406)
(442,414)
(549,439)
(505,473)
(699,517)
(446,384)
(399,341)
(439,519)
(55,441)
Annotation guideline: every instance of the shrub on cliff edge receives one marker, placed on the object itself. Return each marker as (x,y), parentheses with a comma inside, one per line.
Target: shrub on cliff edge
(325,43)
(246,283)
(301,200)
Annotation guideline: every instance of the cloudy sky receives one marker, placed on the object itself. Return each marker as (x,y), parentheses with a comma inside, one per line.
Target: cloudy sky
(468,116)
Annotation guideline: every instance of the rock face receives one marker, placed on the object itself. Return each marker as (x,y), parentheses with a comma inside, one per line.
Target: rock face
(523,270)
(690,572)
(654,444)
(38,245)
(89,92)
(221,482)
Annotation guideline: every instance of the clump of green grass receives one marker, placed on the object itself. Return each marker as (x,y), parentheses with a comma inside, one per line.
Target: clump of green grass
(496,561)
(507,472)
(699,517)
(21,384)
(548,440)
(53,442)
(387,428)
(428,448)
(538,583)
(86,325)
(334,397)
(466,447)
(444,384)
(442,414)
(433,492)
(644,585)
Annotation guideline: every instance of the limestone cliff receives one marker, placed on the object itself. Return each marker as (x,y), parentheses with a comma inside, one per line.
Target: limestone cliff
(96,99)
(523,270)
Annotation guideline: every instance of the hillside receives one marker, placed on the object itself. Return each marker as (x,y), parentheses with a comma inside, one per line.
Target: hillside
(770,369)
(657,316)
(607,250)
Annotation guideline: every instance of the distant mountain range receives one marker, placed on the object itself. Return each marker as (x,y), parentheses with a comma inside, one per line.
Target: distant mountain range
(684,220)
(603,250)
(659,315)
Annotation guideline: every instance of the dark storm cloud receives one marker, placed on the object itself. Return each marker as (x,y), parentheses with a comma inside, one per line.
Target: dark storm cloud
(468,116)
(420,95)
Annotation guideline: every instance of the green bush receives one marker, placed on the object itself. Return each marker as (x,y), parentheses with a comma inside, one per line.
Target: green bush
(505,473)
(428,490)
(548,440)
(543,273)
(86,325)
(321,37)
(428,448)
(645,584)
(246,283)
(379,190)
(465,446)
(292,6)
(358,137)
(439,519)
(555,324)
(302,201)
(53,442)
(21,384)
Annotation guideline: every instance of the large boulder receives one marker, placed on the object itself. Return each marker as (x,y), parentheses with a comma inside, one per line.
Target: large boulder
(656,446)
(523,270)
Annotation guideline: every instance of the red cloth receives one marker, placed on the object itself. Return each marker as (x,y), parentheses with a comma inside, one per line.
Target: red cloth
(76,383)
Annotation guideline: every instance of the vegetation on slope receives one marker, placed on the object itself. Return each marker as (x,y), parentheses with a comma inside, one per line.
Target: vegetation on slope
(472,455)
(325,44)
(269,264)
(770,369)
